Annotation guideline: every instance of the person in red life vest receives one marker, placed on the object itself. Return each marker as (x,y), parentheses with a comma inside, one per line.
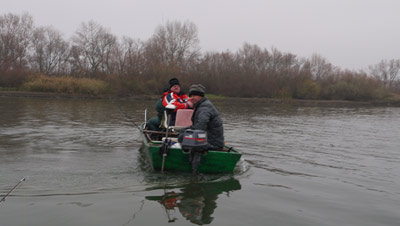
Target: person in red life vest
(175,97)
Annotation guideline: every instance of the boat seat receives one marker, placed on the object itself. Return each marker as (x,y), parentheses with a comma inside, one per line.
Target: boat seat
(183,119)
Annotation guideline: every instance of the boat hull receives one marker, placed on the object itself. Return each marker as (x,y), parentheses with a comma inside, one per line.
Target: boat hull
(178,159)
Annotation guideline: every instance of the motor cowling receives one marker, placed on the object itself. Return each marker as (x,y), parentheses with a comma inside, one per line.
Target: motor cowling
(194,140)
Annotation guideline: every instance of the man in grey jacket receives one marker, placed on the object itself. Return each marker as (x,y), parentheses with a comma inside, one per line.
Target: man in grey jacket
(206,117)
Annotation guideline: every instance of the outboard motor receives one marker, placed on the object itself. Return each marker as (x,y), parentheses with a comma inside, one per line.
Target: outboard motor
(195,141)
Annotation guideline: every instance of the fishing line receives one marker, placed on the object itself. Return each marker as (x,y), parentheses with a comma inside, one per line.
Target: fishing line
(4,197)
(134,214)
(129,119)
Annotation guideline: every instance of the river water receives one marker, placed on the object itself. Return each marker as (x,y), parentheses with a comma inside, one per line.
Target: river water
(302,165)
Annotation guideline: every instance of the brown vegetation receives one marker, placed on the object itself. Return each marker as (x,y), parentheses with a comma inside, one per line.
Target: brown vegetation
(65,84)
(96,62)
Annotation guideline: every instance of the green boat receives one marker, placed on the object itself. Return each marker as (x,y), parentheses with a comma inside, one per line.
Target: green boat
(178,159)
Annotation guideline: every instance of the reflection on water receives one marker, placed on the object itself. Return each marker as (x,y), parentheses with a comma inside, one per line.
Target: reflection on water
(195,201)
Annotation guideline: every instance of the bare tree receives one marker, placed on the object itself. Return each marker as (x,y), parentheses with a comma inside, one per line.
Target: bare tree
(93,46)
(386,71)
(282,63)
(15,34)
(174,43)
(220,73)
(319,67)
(50,52)
(254,59)
(129,57)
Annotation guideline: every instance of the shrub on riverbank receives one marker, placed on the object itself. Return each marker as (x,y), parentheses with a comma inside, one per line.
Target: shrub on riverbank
(308,90)
(350,87)
(66,84)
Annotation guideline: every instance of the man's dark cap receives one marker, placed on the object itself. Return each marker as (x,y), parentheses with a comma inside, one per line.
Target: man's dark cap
(197,89)
(174,81)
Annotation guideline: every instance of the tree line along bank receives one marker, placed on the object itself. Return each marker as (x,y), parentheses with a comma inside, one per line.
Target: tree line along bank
(95,61)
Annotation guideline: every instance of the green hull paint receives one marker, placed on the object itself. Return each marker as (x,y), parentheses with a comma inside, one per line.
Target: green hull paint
(178,160)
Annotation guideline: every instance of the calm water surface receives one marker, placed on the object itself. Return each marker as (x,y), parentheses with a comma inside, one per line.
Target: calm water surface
(83,165)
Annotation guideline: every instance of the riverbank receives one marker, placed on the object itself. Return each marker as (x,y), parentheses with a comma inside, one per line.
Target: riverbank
(70,95)
(394,102)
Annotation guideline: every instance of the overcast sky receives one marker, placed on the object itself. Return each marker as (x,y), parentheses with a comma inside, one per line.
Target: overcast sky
(350,34)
